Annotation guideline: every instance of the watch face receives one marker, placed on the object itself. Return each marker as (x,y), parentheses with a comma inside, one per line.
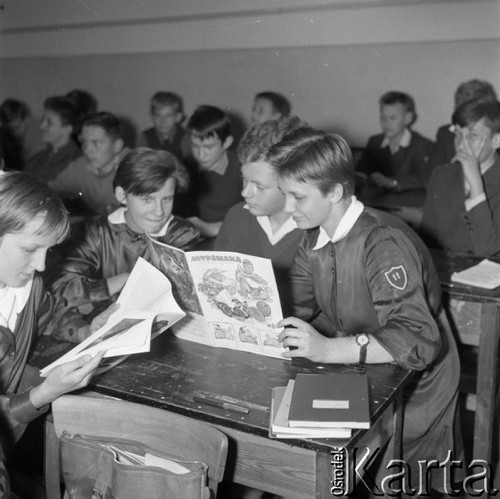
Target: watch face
(362,339)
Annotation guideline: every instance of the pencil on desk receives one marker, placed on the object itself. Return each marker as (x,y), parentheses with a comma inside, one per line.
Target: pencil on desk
(222,405)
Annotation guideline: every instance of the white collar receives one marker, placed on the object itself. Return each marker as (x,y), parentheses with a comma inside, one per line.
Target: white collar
(118,217)
(12,302)
(346,223)
(404,142)
(289,226)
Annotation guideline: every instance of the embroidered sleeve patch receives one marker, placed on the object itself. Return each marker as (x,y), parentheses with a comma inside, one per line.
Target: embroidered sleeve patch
(397,277)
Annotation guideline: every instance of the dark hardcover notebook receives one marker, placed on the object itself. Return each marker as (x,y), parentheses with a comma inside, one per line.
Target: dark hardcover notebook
(331,400)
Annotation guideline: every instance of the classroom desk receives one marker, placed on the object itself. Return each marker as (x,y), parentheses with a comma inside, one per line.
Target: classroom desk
(175,370)
(475,314)
(405,204)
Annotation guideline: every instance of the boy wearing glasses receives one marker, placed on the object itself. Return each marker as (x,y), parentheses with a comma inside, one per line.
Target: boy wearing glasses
(462,209)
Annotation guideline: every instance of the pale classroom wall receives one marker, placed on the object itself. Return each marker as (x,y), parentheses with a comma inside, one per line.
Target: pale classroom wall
(332,58)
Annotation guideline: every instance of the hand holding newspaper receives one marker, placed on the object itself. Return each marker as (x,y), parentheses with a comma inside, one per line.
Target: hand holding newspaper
(146,295)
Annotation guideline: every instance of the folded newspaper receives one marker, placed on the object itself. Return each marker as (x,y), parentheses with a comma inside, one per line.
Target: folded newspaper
(146,296)
(231,300)
(485,274)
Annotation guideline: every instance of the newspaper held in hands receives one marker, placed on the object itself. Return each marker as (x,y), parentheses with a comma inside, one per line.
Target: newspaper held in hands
(485,274)
(231,300)
(146,295)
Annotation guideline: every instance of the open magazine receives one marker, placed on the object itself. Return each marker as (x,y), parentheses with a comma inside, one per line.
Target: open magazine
(146,296)
(231,300)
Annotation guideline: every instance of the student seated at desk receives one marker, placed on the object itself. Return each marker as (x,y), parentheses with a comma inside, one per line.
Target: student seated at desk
(462,208)
(368,284)
(99,265)
(444,148)
(90,177)
(58,124)
(167,134)
(397,159)
(32,220)
(216,180)
(259,226)
(16,116)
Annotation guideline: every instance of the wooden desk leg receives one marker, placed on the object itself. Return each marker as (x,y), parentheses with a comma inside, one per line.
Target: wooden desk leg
(486,382)
(397,427)
(51,460)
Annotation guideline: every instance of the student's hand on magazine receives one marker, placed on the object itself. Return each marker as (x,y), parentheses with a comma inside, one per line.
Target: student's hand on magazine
(116,283)
(101,319)
(65,378)
(303,340)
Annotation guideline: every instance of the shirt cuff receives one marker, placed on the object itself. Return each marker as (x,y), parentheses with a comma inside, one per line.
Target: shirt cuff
(472,203)
(98,290)
(23,410)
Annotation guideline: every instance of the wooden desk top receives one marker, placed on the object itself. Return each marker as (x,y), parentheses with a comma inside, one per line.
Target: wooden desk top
(446,263)
(175,370)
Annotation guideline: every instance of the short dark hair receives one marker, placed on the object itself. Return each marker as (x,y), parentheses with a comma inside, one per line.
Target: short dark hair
(12,109)
(474,89)
(208,121)
(170,99)
(23,197)
(472,111)
(309,155)
(64,107)
(280,103)
(85,102)
(395,97)
(259,138)
(107,121)
(144,171)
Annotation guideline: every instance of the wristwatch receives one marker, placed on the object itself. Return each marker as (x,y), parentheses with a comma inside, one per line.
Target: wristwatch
(362,340)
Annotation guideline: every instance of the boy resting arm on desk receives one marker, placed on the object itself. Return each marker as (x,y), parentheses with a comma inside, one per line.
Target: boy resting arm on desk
(371,281)
(462,208)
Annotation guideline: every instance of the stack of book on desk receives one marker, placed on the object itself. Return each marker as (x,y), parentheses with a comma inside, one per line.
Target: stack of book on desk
(320,406)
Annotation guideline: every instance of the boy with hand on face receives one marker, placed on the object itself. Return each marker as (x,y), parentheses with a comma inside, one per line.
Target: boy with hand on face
(398,158)
(462,208)
(90,177)
(167,134)
(216,182)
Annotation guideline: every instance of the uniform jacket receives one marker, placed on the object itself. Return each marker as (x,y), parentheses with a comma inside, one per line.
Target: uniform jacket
(107,249)
(380,280)
(43,313)
(447,225)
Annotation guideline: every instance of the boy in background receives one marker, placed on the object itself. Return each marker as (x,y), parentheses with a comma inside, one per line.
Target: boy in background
(167,134)
(444,148)
(16,116)
(90,177)
(216,182)
(270,106)
(462,209)
(397,159)
(59,120)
